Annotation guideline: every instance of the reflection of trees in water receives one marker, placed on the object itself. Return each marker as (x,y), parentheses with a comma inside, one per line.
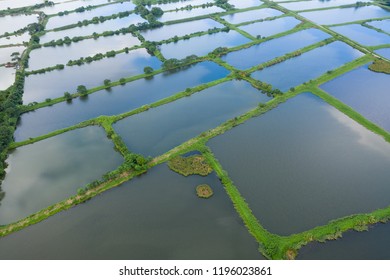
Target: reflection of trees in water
(2,195)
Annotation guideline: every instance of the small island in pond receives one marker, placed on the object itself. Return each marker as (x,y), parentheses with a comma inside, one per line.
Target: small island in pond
(204,191)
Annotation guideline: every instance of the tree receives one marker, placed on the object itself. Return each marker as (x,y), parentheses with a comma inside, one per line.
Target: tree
(148,70)
(68,96)
(122,81)
(107,82)
(82,90)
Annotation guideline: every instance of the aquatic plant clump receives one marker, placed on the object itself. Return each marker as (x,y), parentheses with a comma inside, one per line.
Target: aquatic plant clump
(192,165)
(380,66)
(204,191)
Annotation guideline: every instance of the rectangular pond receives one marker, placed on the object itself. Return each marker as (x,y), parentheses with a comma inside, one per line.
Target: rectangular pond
(49,171)
(251,15)
(202,45)
(5,53)
(362,35)
(343,15)
(368,245)
(158,130)
(155,216)
(11,24)
(180,29)
(50,56)
(381,24)
(298,70)
(180,4)
(108,25)
(305,163)
(269,50)
(384,52)
(316,4)
(72,5)
(240,4)
(90,75)
(118,100)
(12,4)
(72,18)
(7,77)
(15,39)
(272,27)
(182,14)
(365,91)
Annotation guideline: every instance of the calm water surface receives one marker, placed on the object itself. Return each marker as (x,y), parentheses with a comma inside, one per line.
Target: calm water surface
(156,216)
(316,4)
(181,29)
(381,24)
(269,50)
(240,4)
(251,15)
(50,56)
(335,16)
(158,130)
(91,75)
(7,77)
(384,52)
(298,70)
(119,100)
(181,4)
(202,45)
(70,6)
(49,171)
(362,35)
(108,25)
(189,13)
(365,91)
(369,245)
(16,39)
(5,53)
(13,23)
(290,165)
(268,28)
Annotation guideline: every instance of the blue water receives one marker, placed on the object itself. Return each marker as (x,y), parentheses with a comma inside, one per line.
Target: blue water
(251,15)
(384,52)
(382,24)
(158,130)
(119,100)
(269,50)
(365,91)
(307,66)
(362,35)
(268,28)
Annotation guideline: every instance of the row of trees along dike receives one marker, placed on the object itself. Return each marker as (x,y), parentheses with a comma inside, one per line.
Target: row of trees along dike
(25,10)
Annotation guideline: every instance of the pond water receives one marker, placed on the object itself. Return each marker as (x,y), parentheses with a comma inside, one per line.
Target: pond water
(189,13)
(316,4)
(108,25)
(72,18)
(266,51)
(72,5)
(90,75)
(50,56)
(240,4)
(298,70)
(14,23)
(18,3)
(202,45)
(116,101)
(362,35)
(268,28)
(290,165)
(155,216)
(336,16)
(384,52)
(181,4)
(381,24)
(365,91)
(7,77)
(181,29)
(39,175)
(368,245)
(16,39)
(158,130)
(251,15)
(5,53)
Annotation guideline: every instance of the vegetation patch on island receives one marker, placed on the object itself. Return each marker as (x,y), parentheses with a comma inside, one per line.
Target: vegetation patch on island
(192,165)
(381,66)
(204,191)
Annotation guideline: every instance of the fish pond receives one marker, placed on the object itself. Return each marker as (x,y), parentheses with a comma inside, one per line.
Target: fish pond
(251,15)
(290,165)
(365,91)
(363,35)
(158,130)
(36,178)
(142,219)
(118,100)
